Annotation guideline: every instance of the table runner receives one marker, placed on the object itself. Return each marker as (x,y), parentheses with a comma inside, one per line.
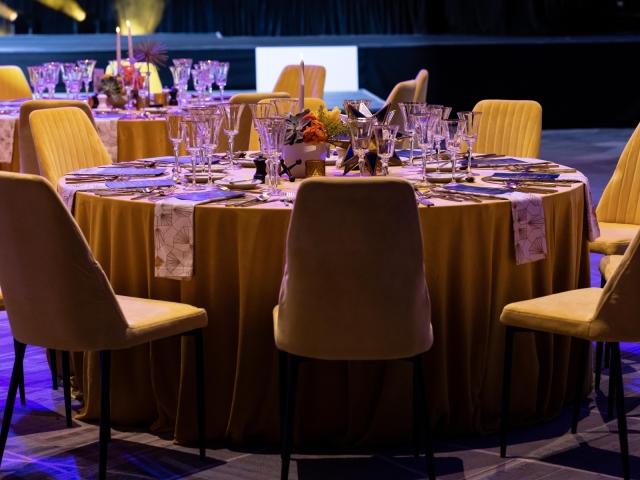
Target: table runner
(7,131)
(593,228)
(68,193)
(108,132)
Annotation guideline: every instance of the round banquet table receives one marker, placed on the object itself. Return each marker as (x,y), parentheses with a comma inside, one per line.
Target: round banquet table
(239,256)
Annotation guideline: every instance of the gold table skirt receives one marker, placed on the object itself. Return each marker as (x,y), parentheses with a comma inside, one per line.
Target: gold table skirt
(239,259)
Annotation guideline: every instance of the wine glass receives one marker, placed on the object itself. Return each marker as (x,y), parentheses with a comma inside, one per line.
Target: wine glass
(385,136)
(75,81)
(407,109)
(52,76)
(87,66)
(180,79)
(174,129)
(259,111)
(272,131)
(37,80)
(361,105)
(284,106)
(232,114)
(129,82)
(438,137)
(65,75)
(183,62)
(423,124)
(200,75)
(211,133)
(470,133)
(360,129)
(222,71)
(210,67)
(453,137)
(192,142)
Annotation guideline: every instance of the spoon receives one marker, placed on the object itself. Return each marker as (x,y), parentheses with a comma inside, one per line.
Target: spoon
(263,197)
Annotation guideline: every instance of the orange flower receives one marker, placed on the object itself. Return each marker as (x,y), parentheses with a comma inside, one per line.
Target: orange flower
(315,132)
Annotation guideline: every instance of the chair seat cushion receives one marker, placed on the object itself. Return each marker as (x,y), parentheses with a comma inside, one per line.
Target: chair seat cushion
(149,320)
(566,313)
(614,238)
(608,265)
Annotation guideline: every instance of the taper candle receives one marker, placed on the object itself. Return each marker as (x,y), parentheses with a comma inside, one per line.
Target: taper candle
(118,52)
(131,60)
(301,90)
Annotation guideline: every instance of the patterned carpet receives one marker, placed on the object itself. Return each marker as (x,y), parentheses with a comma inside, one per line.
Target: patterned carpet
(41,447)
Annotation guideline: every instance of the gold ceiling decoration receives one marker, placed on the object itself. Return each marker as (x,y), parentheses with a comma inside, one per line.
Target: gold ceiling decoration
(144,15)
(7,12)
(68,7)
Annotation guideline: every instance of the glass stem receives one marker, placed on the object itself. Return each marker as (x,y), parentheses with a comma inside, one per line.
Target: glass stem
(193,169)
(233,164)
(411,150)
(424,165)
(469,157)
(209,159)
(437,156)
(221,93)
(361,164)
(176,168)
(453,165)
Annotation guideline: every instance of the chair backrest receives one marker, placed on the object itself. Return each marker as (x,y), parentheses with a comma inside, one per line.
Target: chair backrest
(56,294)
(13,83)
(621,197)
(28,158)
(242,139)
(1,301)
(509,127)
(65,141)
(402,92)
(155,85)
(312,104)
(421,86)
(617,315)
(354,284)
(289,81)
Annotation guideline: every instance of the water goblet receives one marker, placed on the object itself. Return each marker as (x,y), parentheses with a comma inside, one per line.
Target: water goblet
(258,111)
(183,62)
(129,82)
(438,137)
(87,67)
(360,130)
(37,80)
(52,76)
(385,136)
(423,124)
(174,129)
(211,123)
(222,71)
(232,114)
(284,107)
(361,105)
(273,131)
(453,137)
(65,75)
(407,109)
(75,81)
(470,133)
(210,67)
(193,144)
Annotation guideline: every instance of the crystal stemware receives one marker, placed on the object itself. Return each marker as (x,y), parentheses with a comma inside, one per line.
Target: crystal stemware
(222,71)
(360,129)
(453,137)
(37,80)
(273,131)
(423,124)
(407,109)
(65,75)
(200,75)
(385,136)
(284,107)
(87,66)
(75,81)
(210,67)
(259,111)
(174,129)
(192,142)
(211,133)
(438,137)
(361,105)
(52,76)
(183,62)
(470,133)
(129,82)
(232,114)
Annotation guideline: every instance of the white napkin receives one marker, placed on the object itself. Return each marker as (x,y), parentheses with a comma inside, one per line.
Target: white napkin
(7,132)
(68,192)
(108,132)
(589,207)
(529,234)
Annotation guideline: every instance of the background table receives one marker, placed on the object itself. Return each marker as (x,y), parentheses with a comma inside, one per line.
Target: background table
(239,258)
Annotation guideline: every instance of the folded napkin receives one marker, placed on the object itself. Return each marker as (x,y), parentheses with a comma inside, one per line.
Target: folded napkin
(172,160)
(593,229)
(174,232)
(129,171)
(500,162)
(7,131)
(166,182)
(527,215)
(68,193)
(525,176)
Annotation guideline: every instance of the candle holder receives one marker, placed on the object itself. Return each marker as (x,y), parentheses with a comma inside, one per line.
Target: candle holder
(315,168)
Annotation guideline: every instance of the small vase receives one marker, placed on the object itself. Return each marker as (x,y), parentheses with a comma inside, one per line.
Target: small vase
(303,151)
(117,101)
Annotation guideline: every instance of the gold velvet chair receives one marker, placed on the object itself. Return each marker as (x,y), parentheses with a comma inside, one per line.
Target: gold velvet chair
(421,86)
(289,81)
(381,310)
(28,157)
(57,296)
(402,92)
(509,127)
(242,140)
(65,140)
(13,83)
(606,314)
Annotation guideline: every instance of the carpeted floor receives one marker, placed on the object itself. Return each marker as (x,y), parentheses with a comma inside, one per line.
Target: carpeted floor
(41,447)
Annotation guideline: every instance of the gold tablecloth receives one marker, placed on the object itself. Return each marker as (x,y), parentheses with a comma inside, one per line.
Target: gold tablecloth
(239,258)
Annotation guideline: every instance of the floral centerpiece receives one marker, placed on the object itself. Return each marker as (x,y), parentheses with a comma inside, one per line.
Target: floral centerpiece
(111,86)
(305,139)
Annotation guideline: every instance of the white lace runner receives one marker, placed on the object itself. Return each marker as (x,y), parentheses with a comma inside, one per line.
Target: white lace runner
(7,133)
(589,207)
(68,192)
(173,237)
(108,132)
(529,233)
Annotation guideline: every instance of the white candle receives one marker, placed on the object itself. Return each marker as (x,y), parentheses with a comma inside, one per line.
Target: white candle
(118,51)
(131,60)
(301,90)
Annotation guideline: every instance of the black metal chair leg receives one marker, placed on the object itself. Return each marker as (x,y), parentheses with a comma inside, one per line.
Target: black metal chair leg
(292,380)
(607,355)
(23,400)
(582,370)
(53,362)
(16,375)
(599,347)
(202,425)
(506,390)
(283,359)
(416,411)
(612,388)
(66,386)
(620,410)
(426,425)
(105,411)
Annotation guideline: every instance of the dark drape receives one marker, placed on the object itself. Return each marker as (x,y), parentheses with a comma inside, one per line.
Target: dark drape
(343,17)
